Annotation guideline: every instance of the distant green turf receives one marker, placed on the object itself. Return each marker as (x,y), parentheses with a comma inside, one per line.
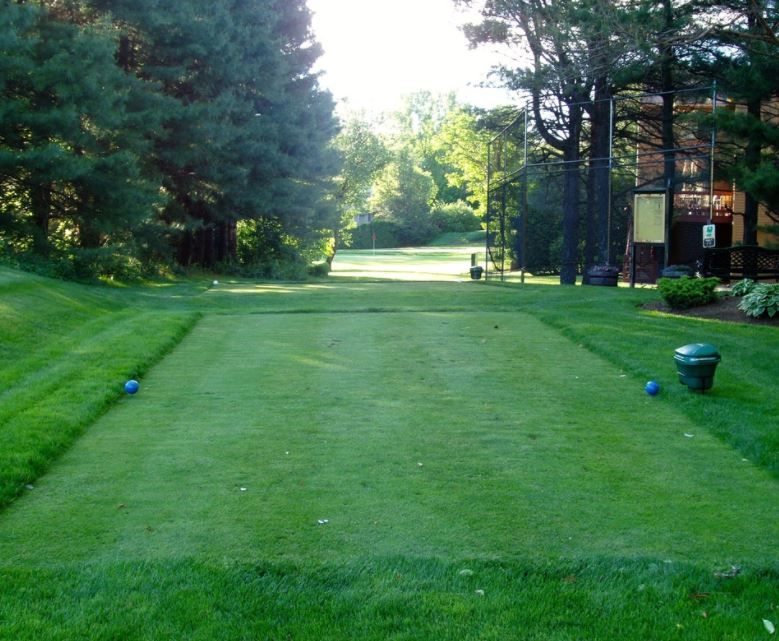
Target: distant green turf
(454,238)
(423,263)
(384,460)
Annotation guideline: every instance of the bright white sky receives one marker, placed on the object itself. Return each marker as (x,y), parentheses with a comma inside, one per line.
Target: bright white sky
(377,51)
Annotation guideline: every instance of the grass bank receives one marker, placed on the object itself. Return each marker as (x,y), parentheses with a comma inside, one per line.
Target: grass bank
(67,350)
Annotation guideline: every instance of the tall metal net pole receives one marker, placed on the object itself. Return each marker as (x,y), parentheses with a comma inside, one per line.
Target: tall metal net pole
(609,189)
(711,149)
(525,206)
(503,198)
(489,212)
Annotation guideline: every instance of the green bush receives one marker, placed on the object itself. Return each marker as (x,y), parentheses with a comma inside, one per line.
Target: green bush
(386,235)
(454,217)
(743,287)
(684,292)
(319,270)
(762,300)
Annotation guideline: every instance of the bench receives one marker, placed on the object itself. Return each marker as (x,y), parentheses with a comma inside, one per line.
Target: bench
(744,261)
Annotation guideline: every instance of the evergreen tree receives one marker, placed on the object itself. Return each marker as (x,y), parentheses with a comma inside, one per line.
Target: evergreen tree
(248,136)
(72,140)
(743,56)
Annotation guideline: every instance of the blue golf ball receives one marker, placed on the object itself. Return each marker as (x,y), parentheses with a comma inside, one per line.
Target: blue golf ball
(131,386)
(652,388)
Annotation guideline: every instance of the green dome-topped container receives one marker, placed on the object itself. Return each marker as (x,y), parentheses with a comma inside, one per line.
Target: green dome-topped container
(696,364)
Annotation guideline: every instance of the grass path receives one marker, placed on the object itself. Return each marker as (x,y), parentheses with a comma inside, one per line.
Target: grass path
(406,433)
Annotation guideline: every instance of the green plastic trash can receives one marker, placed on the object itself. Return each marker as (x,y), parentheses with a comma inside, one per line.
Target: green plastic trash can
(476,272)
(696,364)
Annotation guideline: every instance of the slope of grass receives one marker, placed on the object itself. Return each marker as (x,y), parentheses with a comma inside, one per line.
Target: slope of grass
(67,350)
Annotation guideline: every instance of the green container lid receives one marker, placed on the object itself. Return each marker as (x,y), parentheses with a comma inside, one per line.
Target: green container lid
(698,352)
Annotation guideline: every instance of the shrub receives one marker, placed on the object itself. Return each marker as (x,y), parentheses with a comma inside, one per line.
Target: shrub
(386,235)
(743,287)
(762,300)
(684,292)
(319,270)
(459,217)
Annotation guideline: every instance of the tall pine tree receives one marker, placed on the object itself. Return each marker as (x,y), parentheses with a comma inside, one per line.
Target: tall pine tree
(73,137)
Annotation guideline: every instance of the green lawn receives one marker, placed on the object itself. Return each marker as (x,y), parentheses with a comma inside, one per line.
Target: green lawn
(483,459)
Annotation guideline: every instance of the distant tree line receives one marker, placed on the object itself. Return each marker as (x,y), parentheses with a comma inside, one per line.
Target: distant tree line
(417,173)
(135,133)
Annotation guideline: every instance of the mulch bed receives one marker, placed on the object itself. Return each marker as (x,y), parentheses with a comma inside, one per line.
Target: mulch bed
(725,309)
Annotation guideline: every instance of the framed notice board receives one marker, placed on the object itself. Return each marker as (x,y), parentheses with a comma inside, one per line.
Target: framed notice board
(649,218)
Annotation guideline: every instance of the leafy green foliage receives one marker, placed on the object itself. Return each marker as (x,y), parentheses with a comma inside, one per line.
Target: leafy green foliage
(761,300)
(742,57)
(403,194)
(387,234)
(743,287)
(417,179)
(685,292)
(463,139)
(454,217)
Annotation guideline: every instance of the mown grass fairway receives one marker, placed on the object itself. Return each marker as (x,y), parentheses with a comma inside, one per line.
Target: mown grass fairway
(414,263)
(483,461)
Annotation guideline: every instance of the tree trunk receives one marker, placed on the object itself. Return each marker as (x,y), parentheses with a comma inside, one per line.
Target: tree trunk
(590,216)
(40,202)
(571,221)
(596,249)
(223,253)
(125,56)
(88,238)
(602,151)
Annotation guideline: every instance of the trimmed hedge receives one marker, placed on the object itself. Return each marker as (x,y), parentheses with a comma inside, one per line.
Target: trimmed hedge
(685,292)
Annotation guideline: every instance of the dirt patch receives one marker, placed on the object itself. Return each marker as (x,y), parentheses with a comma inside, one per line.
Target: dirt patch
(725,309)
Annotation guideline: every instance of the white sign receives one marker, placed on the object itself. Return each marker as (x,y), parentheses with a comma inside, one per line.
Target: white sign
(649,218)
(709,236)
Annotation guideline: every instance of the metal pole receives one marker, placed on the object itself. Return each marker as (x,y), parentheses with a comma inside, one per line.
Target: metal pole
(503,210)
(711,149)
(489,217)
(525,208)
(611,165)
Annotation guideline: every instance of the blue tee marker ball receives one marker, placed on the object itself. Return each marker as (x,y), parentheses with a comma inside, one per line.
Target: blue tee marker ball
(131,387)
(652,388)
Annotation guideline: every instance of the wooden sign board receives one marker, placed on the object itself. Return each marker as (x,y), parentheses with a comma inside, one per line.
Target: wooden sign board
(649,218)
